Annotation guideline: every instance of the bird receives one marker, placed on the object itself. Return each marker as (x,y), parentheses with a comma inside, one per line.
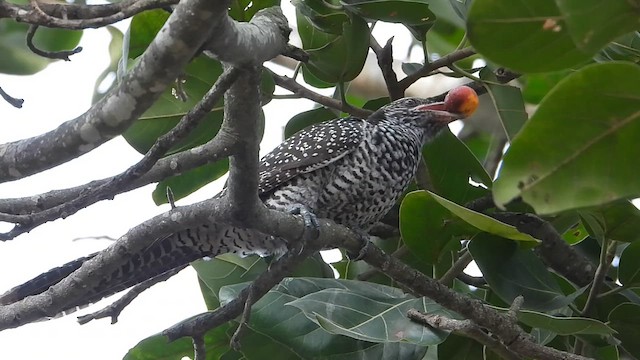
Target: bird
(350,170)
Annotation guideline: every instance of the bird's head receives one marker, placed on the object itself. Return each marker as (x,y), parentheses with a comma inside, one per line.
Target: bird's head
(431,117)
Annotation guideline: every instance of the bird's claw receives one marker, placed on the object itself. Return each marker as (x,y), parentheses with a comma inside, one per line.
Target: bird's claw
(311,226)
(364,238)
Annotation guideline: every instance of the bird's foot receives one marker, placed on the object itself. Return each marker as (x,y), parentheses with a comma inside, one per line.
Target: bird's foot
(311,226)
(364,239)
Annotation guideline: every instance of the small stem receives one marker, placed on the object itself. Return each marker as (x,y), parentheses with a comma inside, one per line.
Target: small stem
(456,268)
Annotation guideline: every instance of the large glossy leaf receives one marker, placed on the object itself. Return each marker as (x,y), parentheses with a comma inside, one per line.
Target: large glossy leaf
(594,23)
(526,36)
(625,319)
(628,270)
(143,29)
(425,225)
(508,102)
(226,269)
(165,113)
(18,59)
(483,222)
(322,15)
(451,164)
(580,148)
(334,58)
(289,328)
(415,14)
(537,86)
(511,270)
(371,316)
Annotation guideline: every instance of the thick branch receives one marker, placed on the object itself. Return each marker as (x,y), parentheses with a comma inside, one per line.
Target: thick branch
(263,38)
(241,121)
(218,148)
(161,63)
(74,16)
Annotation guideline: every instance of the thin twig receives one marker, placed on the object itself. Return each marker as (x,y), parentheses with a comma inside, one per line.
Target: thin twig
(430,67)
(60,55)
(385,62)
(291,85)
(15,102)
(457,268)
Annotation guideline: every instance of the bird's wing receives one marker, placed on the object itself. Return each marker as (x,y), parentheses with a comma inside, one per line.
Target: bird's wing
(308,150)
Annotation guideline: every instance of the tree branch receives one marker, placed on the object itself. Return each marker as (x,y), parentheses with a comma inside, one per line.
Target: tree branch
(293,86)
(78,17)
(161,63)
(465,328)
(554,250)
(188,122)
(428,68)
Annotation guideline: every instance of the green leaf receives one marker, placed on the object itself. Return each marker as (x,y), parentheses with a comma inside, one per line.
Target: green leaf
(537,86)
(609,352)
(511,270)
(625,319)
(451,164)
(628,270)
(289,328)
(526,36)
(626,48)
(414,14)
(482,221)
(332,58)
(158,347)
(594,23)
(226,269)
(143,30)
(18,59)
(460,348)
(425,225)
(371,317)
(189,181)
(306,119)
(508,102)
(325,18)
(243,10)
(575,234)
(165,113)
(618,220)
(564,325)
(580,147)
